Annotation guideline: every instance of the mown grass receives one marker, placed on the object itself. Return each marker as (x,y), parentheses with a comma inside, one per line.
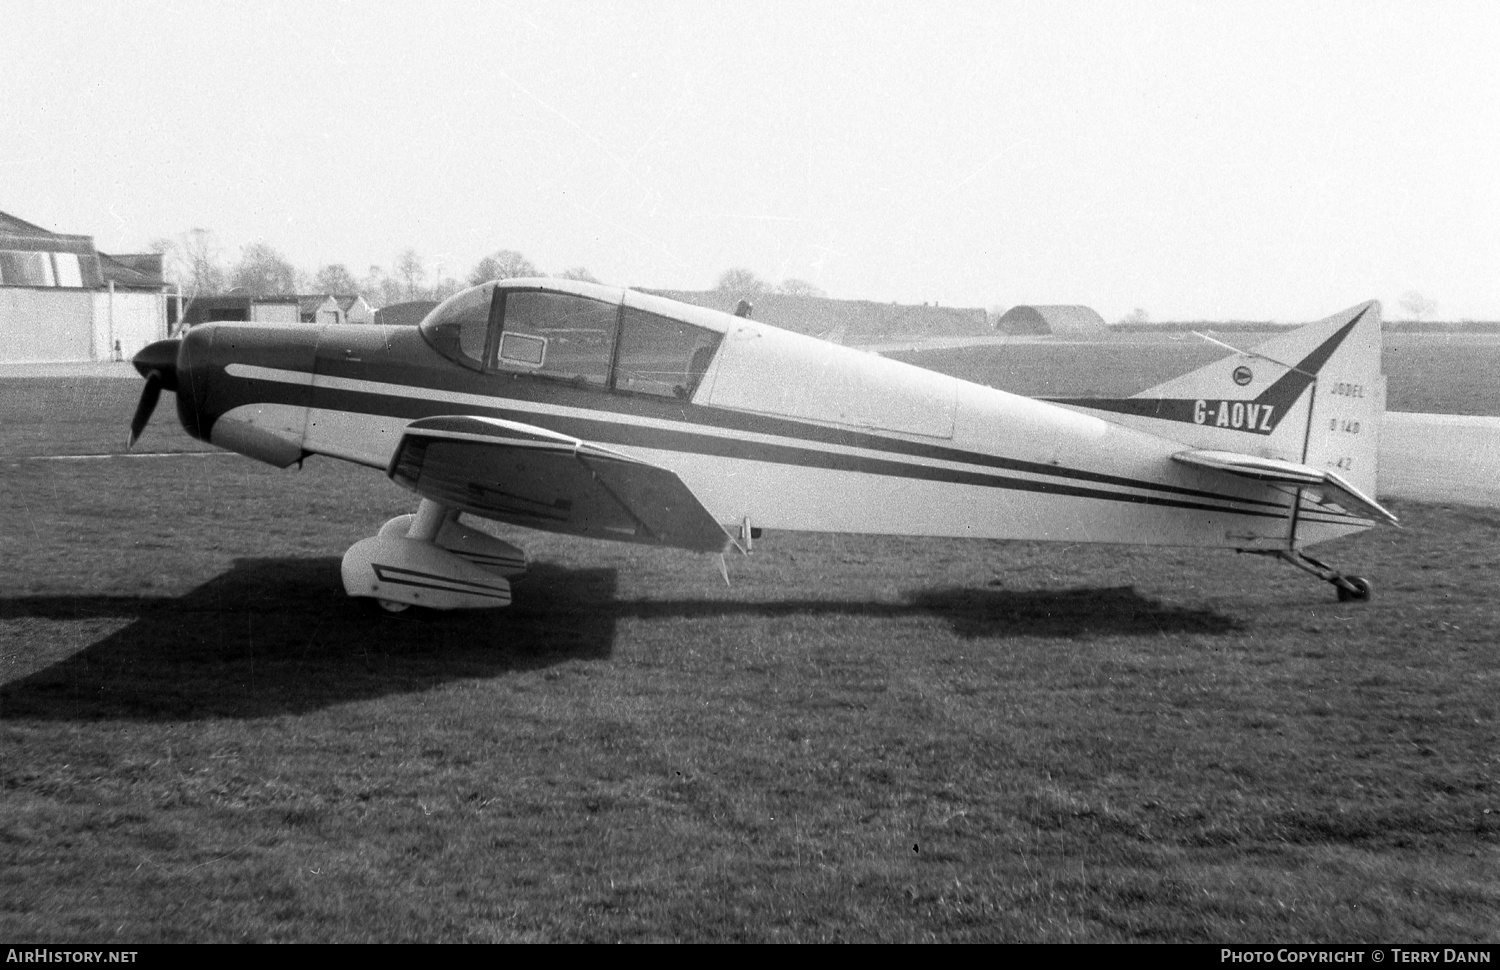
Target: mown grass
(1437,373)
(201,738)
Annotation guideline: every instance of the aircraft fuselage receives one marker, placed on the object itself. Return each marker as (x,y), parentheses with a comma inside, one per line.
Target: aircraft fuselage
(778,429)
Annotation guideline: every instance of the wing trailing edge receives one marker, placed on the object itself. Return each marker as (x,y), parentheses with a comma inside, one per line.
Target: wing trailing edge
(532,477)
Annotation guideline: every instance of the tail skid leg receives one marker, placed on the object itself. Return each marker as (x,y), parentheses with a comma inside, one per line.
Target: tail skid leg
(1354,589)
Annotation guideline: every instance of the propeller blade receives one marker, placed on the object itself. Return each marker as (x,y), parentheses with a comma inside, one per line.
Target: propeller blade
(157,363)
(150,394)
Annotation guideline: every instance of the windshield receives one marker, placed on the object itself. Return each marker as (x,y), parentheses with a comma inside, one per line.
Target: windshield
(460,325)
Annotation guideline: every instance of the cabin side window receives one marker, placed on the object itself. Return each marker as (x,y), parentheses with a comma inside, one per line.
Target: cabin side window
(556,335)
(662,356)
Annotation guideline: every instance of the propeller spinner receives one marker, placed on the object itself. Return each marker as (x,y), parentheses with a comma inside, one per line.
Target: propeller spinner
(157,363)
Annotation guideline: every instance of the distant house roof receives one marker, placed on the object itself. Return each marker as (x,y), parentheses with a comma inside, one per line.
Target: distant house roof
(310,304)
(404,314)
(844,321)
(1050,319)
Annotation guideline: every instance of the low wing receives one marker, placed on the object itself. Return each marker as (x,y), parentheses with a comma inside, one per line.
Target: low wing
(1335,487)
(529,476)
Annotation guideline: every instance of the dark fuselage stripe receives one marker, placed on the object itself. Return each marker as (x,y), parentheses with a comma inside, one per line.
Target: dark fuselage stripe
(528,389)
(663,439)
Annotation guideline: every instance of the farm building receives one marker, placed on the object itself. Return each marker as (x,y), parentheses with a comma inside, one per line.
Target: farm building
(334,309)
(257,309)
(63,300)
(845,321)
(319,309)
(313,308)
(356,309)
(1061,320)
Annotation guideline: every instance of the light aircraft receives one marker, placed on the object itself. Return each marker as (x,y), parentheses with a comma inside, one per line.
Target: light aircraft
(604,412)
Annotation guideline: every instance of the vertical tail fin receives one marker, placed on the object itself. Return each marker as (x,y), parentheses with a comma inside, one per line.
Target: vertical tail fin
(1314,396)
(1348,403)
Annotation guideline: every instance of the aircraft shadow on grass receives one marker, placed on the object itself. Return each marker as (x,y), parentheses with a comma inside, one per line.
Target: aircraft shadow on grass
(275,636)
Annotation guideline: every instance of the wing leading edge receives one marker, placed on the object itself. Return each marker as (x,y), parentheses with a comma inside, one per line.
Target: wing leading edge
(529,476)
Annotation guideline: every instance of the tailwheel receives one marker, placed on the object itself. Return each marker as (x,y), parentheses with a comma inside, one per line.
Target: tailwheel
(392,606)
(1354,589)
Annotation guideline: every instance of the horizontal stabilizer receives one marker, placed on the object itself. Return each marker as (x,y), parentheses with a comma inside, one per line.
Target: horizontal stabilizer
(1335,487)
(529,476)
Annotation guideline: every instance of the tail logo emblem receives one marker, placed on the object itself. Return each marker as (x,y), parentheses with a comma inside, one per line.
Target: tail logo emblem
(1243,375)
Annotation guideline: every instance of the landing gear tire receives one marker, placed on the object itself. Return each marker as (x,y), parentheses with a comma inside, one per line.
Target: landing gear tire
(391,606)
(1359,594)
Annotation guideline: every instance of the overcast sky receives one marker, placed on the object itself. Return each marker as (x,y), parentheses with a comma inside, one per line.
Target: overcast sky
(1220,161)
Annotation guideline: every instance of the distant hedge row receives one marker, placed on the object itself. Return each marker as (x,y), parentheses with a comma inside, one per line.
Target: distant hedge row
(1252,326)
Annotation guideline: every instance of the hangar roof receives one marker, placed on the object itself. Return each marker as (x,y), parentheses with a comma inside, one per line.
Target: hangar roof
(1058,319)
(136,270)
(11,226)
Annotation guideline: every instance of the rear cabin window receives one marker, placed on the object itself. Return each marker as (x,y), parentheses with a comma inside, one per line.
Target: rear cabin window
(662,356)
(557,335)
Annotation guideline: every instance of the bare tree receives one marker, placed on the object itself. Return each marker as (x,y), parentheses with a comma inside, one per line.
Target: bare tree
(262,271)
(579,273)
(411,274)
(444,288)
(335,279)
(800,288)
(379,289)
(741,282)
(1417,305)
(504,264)
(191,260)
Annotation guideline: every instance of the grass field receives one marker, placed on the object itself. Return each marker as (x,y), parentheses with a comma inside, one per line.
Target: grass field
(201,738)
(1437,373)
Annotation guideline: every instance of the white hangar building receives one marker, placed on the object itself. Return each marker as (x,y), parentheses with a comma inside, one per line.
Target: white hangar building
(63,300)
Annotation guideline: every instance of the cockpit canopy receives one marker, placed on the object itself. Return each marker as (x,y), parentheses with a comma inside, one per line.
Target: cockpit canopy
(583,339)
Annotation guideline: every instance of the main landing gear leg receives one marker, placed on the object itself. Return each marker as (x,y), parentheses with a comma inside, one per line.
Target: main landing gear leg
(1354,589)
